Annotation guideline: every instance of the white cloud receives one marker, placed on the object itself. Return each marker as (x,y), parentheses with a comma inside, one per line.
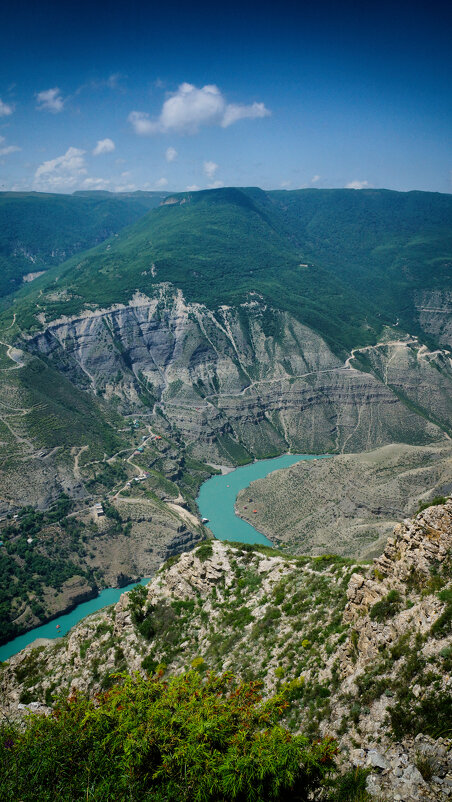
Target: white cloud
(50,100)
(357,185)
(236,111)
(216,185)
(315,179)
(103,146)
(189,108)
(113,80)
(5,109)
(193,188)
(7,149)
(171,154)
(126,188)
(141,123)
(95,183)
(210,168)
(162,182)
(63,172)
(285,184)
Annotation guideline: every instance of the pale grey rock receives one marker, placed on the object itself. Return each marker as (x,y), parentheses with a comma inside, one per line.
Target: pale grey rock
(376,759)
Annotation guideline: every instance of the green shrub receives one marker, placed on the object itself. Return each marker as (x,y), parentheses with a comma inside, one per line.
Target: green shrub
(186,740)
(149,664)
(425,766)
(443,624)
(431,715)
(351,787)
(387,607)
(424,504)
(84,646)
(170,561)
(204,551)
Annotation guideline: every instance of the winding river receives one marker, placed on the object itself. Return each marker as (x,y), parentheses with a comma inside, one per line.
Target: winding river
(66,622)
(216,502)
(217,497)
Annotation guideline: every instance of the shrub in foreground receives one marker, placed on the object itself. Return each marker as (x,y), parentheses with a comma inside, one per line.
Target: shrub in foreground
(186,740)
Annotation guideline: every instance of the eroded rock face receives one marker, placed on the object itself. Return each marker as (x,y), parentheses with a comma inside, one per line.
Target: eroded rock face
(417,547)
(224,375)
(435,314)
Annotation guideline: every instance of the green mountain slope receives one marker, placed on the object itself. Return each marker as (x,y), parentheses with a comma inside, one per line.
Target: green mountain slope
(342,262)
(38,230)
(385,244)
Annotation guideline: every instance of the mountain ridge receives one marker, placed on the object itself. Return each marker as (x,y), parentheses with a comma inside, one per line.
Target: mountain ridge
(363,675)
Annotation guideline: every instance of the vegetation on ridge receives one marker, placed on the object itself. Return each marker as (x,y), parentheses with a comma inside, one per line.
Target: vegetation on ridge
(185,740)
(342,262)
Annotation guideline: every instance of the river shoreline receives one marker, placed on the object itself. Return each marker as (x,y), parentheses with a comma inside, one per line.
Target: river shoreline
(216,502)
(66,621)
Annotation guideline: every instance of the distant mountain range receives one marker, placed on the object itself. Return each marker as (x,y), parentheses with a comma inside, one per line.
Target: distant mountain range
(343,262)
(40,230)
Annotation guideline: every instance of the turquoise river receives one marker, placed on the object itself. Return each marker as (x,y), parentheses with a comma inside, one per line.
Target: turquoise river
(216,502)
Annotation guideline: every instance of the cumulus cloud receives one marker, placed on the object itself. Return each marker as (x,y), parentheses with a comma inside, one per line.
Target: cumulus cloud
(95,183)
(5,150)
(103,146)
(357,185)
(162,182)
(126,188)
(171,154)
(236,111)
(193,188)
(216,185)
(63,172)
(5,109)
(210,168)
(9,149)
(141,123)
(191,107)
(315,179)
(50,100)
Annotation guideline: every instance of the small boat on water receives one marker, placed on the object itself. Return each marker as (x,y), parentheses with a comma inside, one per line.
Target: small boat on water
(58,626)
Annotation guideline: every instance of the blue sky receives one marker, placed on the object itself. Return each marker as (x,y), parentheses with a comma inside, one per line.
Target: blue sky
(129,95)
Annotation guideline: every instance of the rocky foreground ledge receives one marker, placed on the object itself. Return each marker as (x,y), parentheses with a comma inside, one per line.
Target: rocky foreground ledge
(366,648)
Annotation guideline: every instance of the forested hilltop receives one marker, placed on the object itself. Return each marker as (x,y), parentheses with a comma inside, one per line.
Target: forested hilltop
(39,230)
(342,261)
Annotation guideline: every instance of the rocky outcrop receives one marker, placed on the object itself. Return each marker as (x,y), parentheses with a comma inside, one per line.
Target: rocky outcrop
(418,547)
(234,385)
(434,308)
(398,620)
(376,677)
